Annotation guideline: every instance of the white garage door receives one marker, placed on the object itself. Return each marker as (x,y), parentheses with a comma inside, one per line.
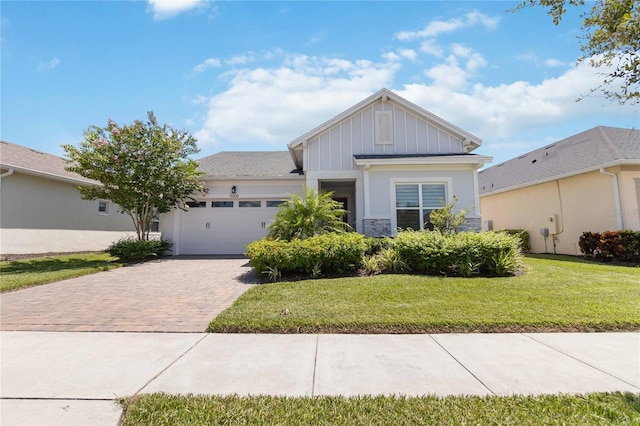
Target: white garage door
(225,227)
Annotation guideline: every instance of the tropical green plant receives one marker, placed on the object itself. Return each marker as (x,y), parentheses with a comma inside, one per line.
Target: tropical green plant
(303,217)
(446,220)
(143,168)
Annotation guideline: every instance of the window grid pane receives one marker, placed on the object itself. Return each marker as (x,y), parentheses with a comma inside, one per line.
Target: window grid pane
(433,196)
(249,204)
(407,196)
(408,219)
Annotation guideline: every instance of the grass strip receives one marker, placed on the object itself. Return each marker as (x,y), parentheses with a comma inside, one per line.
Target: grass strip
(556,294)
(588,409)
(19,274)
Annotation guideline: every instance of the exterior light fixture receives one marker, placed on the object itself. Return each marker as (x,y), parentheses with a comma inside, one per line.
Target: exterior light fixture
(233,189)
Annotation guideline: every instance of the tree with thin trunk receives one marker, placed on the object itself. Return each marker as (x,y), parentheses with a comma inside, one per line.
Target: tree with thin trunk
(143,167)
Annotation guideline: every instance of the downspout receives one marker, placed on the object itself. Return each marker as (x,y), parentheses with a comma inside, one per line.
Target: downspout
(616,197)
(7,173)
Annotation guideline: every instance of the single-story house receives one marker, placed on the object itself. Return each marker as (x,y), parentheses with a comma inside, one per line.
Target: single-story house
(387,160)
(42,211)
(587,182)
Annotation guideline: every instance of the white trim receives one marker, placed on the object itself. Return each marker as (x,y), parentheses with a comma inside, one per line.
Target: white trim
(253,177)
(448,189)
(476,193)
(52,176)
(366,184)
(564,175)
(480,160)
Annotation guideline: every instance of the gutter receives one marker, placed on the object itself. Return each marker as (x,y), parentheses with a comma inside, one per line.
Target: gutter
(616,197)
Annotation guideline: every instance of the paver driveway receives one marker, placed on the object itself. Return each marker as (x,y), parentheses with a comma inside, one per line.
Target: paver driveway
(170,295)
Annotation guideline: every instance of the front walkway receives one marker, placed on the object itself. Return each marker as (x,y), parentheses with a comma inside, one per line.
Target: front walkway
(166,295)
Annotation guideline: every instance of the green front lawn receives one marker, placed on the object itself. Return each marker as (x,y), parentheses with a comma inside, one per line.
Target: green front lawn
(28,273)
(556,294)
(590,409)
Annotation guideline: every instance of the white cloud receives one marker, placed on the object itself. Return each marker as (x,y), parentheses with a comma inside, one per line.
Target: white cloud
(164,9)
(49,65)
(208,63)
(409,54)
(267,107)
(276,105)
(431,47)
(435,28)
(240,59)
(553,63)
(508,110)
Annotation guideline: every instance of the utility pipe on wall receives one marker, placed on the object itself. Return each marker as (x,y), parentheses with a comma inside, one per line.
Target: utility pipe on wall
(616,197)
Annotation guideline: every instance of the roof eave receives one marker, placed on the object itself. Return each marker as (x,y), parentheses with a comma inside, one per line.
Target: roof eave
(478,160)
(292,176)
(625,162)
(51,176)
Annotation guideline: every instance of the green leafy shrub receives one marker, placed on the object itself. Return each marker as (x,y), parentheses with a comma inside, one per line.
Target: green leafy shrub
(523,236)
(132,249)
(375,245)
(621,246)
(465,253)
(333,254)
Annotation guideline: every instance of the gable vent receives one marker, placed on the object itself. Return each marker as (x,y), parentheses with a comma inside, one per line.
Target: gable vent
(384,127)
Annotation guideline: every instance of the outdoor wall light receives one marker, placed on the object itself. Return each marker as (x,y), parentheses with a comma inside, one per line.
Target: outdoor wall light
(233,189)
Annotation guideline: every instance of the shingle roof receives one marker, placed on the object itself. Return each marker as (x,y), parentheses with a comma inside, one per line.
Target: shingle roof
(249,163)
(32,161)
(576,154)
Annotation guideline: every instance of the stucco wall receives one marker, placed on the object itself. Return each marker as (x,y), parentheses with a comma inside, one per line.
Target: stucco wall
(39,215)
(629,177)
(581,203)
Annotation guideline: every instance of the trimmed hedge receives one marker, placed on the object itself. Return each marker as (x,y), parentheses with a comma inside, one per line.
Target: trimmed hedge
(333,253)
(621,246)
(465,253)
(132,249)
(523,236)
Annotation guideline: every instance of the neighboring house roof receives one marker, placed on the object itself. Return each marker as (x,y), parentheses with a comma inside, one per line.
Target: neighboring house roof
(34,162)
(470,141)
(249,163)
(587,151)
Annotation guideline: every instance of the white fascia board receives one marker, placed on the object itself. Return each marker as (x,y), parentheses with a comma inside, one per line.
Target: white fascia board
(480,160)
(565,175)
(51,176)
(256,178)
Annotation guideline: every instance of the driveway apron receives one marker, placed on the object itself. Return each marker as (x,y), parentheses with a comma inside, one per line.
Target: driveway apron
(166,295)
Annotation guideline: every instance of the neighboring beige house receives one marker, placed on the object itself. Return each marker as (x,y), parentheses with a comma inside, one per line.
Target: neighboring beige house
(41,210)
(387,160)
(587,182)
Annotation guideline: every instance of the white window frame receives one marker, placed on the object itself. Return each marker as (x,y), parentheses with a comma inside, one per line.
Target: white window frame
(106,208)
(448,189)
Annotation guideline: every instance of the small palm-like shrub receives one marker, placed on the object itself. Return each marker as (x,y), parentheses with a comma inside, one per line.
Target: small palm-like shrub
(307,216)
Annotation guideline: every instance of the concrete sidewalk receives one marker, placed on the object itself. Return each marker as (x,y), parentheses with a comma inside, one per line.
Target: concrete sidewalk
(76,378)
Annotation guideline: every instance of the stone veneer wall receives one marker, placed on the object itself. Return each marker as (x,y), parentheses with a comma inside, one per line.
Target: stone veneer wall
(377,227)
(471,224)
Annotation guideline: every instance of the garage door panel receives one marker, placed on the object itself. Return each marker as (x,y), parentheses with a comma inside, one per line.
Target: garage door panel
(223,230)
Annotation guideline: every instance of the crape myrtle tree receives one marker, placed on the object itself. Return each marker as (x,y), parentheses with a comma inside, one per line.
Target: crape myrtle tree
(143,167)
(610,39)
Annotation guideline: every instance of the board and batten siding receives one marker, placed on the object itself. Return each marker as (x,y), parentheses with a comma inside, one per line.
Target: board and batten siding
(334,149)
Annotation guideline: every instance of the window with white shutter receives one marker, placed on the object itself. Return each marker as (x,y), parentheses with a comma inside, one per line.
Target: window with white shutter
(384,127)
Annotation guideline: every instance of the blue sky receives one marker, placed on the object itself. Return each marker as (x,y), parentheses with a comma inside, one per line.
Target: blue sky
(256,75)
